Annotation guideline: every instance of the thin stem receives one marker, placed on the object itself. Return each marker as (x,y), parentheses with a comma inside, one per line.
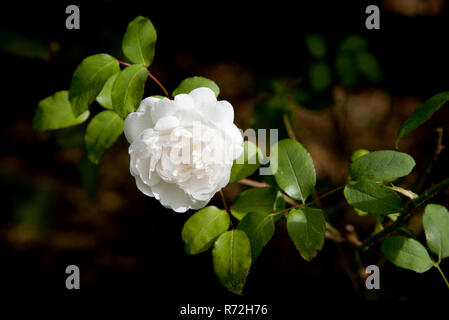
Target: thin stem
(288,127)
(158,83)
(411,206)
(224,200)
(422,178)
(253,183)
(442,274)
(124,63)
(325,195)
(151,76)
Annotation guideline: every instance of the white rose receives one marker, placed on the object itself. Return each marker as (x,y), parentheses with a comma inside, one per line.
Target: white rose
(182,150)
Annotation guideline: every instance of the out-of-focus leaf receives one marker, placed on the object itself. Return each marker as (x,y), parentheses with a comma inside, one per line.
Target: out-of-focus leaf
(320,76)
(27,47)
(316,45)
(90,176)
(347,70)
(369,67)
(353,43)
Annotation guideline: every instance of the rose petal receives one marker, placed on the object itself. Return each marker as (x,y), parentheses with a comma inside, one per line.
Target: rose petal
(166,123)
(138,121)
(172,197)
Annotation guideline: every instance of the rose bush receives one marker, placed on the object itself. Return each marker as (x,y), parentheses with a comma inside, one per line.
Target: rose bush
(182,150)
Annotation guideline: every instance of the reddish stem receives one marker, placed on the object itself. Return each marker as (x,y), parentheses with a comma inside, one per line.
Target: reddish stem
(150,75)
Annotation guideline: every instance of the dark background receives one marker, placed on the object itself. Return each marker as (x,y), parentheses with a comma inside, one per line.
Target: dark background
(124,242)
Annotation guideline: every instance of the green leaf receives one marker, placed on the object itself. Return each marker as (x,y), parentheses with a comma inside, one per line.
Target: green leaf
(369,67)
(203,228)
(101,133)
(259,228)
(353,43)
(320,76)
(247,163)
(139,41)
(436,227)
(358,153)
(384,165)
(372,197)
(104,97)
(307,227)
(189,84)
(127,91)
(231,258)
(293,169)
(254,200)
(55,112)
(88,80)
(316,45)
(407,253)
(347,70)
(422,114)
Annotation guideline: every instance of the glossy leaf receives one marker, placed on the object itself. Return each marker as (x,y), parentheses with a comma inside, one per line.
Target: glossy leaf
(231,258)
(307,227)
(203,228)
(55,112)
(422,114)
(88,80)
(104,97)
(247,163)
(254,200)
(384,165)
(259,228)
(139,41)
(127,90)
(436,227)
(101,133)
(192,83)
(372,197)
(406,253)
(293,169)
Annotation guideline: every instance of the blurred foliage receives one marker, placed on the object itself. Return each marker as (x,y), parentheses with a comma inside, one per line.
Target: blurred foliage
(27,47)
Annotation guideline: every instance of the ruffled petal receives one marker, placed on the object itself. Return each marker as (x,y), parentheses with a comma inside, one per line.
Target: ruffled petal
(172,197)
(140,120)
